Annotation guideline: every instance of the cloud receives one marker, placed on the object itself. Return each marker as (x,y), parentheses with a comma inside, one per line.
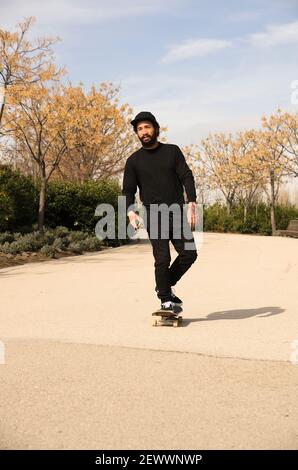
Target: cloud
(276,35)
(193,106)
(76,11)
(194,48)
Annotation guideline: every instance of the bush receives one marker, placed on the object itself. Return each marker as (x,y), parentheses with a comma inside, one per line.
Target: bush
(284,214)
(73,205)
(48,237)
(20,243)
(76,247)
(60,244)
(76,236)
(18,200)
(257,219)
(61,231)
(6,237)
(214,217)
(69,205)
(48,250)
(91,244)
(6,210)
(48,242)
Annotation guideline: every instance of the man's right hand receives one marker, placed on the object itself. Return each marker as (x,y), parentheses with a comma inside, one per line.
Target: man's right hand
(134,219)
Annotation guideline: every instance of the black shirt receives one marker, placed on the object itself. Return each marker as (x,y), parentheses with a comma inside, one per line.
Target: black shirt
(160,174)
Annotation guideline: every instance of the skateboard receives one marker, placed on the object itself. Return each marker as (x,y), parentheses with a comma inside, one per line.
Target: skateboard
(169,318)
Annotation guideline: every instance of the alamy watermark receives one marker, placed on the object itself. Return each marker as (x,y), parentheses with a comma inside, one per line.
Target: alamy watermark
(294,353)
(161,221)
(2,352)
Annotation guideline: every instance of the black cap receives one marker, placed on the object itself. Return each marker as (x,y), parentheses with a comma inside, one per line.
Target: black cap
(144,116)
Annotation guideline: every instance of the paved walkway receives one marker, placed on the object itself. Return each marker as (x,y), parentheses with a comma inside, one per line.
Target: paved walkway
(84,368)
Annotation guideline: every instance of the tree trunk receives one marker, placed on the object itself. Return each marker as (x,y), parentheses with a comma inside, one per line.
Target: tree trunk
(272,202)
(42,198)
(228,207)
(2,104)
(245,213)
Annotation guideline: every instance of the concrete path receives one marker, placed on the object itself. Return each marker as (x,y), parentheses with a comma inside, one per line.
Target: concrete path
(84,368)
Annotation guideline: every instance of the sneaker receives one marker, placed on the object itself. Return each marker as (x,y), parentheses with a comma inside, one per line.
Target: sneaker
(169,306)
(174,298)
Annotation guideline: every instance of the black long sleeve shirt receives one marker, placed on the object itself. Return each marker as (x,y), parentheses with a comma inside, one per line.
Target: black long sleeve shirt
(160,174)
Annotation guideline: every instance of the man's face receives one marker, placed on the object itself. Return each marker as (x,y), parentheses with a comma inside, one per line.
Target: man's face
(147,133)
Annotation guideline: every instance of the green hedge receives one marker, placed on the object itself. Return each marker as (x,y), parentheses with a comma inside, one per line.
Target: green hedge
(216,218)
(73,205)
(68,204)
(18,200)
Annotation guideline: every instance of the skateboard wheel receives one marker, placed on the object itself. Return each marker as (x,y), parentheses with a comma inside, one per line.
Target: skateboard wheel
(175,323)
(154,323)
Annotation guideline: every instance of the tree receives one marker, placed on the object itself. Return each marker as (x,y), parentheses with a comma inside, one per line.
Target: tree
(270,145)
(287,125)
(100,134)
(24,63)
(219,154)
(251,174)
(195,161)
(39,121)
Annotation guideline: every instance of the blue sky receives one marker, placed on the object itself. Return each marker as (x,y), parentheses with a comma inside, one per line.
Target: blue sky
(198,66)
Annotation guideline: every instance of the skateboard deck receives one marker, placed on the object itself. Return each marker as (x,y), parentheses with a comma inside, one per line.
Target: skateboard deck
(163,318)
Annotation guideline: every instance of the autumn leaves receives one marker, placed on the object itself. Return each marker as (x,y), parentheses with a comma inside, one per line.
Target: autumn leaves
(50,128)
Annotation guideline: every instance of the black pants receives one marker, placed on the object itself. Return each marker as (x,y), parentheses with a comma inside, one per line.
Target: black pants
(178,232)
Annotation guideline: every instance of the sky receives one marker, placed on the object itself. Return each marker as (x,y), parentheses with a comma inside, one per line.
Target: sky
(200,66)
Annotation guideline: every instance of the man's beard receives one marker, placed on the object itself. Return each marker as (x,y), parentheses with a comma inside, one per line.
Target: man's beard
(148,142)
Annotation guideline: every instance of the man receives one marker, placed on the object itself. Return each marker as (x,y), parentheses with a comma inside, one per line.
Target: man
(160,171)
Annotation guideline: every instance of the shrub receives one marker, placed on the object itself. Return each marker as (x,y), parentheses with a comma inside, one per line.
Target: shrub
(77,236)
(60,244)
(91,244)
(48,251)
(257,220)
(18,199)
(73,205)
(27,242)
(61,231)
(48,237)
(6,210)
(76,247)
(6,237)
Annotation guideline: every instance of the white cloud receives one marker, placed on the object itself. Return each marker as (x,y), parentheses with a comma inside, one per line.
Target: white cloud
(193,48)
(276,35)
(76,11)
(192,107)
(273,35)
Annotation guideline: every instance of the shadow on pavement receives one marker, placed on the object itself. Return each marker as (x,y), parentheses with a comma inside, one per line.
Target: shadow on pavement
(237,314)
